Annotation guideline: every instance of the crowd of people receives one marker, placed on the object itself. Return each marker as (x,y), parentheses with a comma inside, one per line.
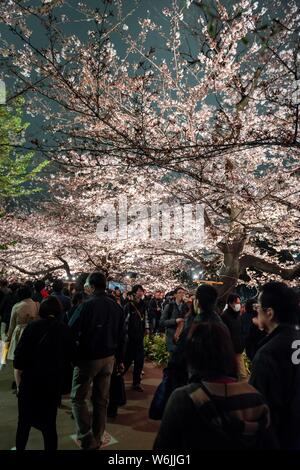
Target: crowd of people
(83,340)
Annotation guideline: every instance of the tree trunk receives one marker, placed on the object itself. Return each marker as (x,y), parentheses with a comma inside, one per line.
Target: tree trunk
(230,271)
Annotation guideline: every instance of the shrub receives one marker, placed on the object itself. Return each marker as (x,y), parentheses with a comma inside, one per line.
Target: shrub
(155,349)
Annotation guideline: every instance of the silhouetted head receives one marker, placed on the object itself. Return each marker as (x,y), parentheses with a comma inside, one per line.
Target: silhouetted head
(210,351)
(206,297)
(51,307)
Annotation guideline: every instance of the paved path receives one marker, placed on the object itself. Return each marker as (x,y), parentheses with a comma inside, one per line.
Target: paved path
(131,429)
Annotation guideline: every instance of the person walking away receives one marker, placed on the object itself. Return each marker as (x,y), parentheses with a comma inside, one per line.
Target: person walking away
(137,326)
(214,411)
(232,318)
(98,327)
(275,369)
(42,356)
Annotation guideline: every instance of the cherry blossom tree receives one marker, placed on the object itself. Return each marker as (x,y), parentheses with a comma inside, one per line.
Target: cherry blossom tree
(213,118)
(61,240)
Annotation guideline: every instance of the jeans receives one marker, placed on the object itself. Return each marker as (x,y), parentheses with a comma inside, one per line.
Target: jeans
(96,373)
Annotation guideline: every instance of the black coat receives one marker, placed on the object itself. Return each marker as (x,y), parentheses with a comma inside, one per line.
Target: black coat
(44,355)
(278,379)
(8,300)
(154,309)
(233,321)
(136,321)
(253,340)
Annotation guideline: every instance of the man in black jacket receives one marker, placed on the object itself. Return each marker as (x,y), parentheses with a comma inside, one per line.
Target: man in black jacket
(137,326)
(98,325)
(275,368)
(232,318)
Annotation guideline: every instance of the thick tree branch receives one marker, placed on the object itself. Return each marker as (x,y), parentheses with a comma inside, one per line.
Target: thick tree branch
(43,272)
(251,261)
(65,265)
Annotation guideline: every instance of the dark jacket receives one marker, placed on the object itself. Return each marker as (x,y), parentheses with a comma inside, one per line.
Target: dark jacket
(191,421)
(154,309)
(68,315)
(278,379)
(136,321)
(246,323)
(9,299)
(98,325)
(232,320)
(44,354)
(253,340)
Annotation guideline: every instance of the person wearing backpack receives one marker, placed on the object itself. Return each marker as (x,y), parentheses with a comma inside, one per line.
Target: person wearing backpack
(173,315)
(98,326)
(214,411)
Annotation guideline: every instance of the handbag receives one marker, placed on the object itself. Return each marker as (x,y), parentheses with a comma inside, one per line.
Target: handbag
(117,393)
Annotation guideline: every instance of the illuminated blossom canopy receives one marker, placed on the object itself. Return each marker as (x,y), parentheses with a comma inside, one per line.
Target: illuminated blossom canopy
(200,107)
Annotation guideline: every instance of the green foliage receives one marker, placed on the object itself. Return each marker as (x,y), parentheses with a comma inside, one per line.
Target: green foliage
(147,345)
(5,246)
(16,167)
(247,363)
(155,349)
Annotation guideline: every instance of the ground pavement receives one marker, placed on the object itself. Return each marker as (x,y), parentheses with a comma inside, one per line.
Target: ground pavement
(130,430)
